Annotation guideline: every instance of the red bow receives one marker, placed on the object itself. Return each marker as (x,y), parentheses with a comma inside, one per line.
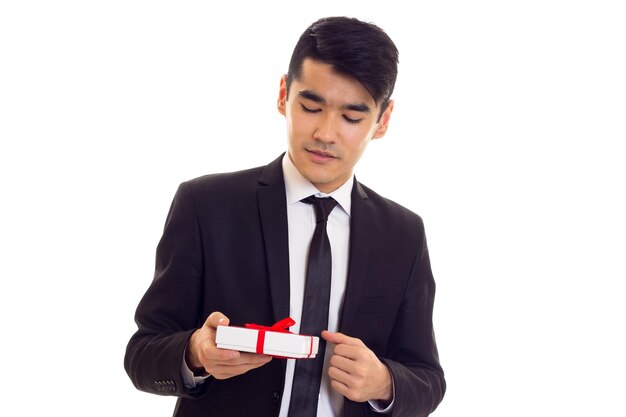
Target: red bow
(280,326)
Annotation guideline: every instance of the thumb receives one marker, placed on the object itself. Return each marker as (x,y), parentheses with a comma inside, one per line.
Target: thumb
(216,319)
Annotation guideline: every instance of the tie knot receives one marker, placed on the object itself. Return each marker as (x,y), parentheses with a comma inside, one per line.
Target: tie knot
(323,206)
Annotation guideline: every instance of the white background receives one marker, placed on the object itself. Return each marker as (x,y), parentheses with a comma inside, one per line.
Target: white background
(508,133)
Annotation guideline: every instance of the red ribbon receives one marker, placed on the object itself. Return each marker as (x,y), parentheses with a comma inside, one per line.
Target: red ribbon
(280,327)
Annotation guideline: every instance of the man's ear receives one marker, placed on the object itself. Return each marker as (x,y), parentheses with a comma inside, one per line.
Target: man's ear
(383,124)
(282,96)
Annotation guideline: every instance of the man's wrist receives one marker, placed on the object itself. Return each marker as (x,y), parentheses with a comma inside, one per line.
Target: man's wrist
(384,404)
(386,393)
(192,377)
(191,360)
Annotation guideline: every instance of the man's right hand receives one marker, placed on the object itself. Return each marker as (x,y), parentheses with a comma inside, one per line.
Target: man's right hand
(204,355)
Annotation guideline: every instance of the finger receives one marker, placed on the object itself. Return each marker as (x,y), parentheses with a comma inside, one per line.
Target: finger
(351,387)
(217,319)
(223,372)
(340,375)
(348,392)
(344,364)
(255,357)
(227,370)
(340,387)
(222,355)
(340,338)
(356,353)
(245,359)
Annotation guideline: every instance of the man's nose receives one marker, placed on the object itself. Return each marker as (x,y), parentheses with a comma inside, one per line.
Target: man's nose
(327,129)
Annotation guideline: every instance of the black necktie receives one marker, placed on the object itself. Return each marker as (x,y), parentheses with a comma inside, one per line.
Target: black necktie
(308,372)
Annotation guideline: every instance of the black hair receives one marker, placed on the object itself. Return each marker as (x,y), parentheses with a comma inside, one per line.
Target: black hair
(354,48)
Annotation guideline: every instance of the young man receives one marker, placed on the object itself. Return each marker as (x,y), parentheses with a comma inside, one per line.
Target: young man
(235,250)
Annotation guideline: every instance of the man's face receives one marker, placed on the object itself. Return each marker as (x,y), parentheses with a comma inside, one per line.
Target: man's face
(330,120)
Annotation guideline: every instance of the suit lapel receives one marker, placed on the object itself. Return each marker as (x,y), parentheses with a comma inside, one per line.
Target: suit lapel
(273,212)
(360,243)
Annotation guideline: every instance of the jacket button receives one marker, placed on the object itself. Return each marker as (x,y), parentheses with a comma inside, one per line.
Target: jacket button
(275,397)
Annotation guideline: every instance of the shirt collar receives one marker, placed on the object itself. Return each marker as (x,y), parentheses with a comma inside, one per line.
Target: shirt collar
(297,187)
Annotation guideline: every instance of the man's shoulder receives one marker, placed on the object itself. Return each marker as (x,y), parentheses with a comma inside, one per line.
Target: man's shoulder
(237,181)
(226,179)
(225,189)
(230,189)
(388,209)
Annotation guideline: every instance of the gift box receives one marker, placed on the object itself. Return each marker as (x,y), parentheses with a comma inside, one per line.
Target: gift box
(275,340)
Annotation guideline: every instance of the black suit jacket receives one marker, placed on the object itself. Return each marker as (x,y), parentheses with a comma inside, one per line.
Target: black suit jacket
(225,248)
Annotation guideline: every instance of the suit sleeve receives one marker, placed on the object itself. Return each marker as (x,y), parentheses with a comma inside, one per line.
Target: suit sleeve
(412,355)
(169,311)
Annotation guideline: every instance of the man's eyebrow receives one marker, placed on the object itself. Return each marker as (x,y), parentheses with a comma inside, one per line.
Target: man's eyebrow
(363,108)
(309,95)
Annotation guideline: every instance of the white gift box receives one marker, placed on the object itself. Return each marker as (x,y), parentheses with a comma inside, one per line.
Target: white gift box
(260,339)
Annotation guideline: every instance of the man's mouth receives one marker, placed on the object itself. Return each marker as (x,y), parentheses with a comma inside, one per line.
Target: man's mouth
(320,156)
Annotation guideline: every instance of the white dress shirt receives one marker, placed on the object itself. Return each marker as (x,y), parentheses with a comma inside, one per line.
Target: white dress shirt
(301,220)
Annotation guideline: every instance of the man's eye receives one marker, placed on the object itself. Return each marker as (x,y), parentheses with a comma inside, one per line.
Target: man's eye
(308,110)
(350,120)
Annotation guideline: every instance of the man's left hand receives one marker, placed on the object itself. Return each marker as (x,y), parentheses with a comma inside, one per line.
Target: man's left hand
(355,371)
